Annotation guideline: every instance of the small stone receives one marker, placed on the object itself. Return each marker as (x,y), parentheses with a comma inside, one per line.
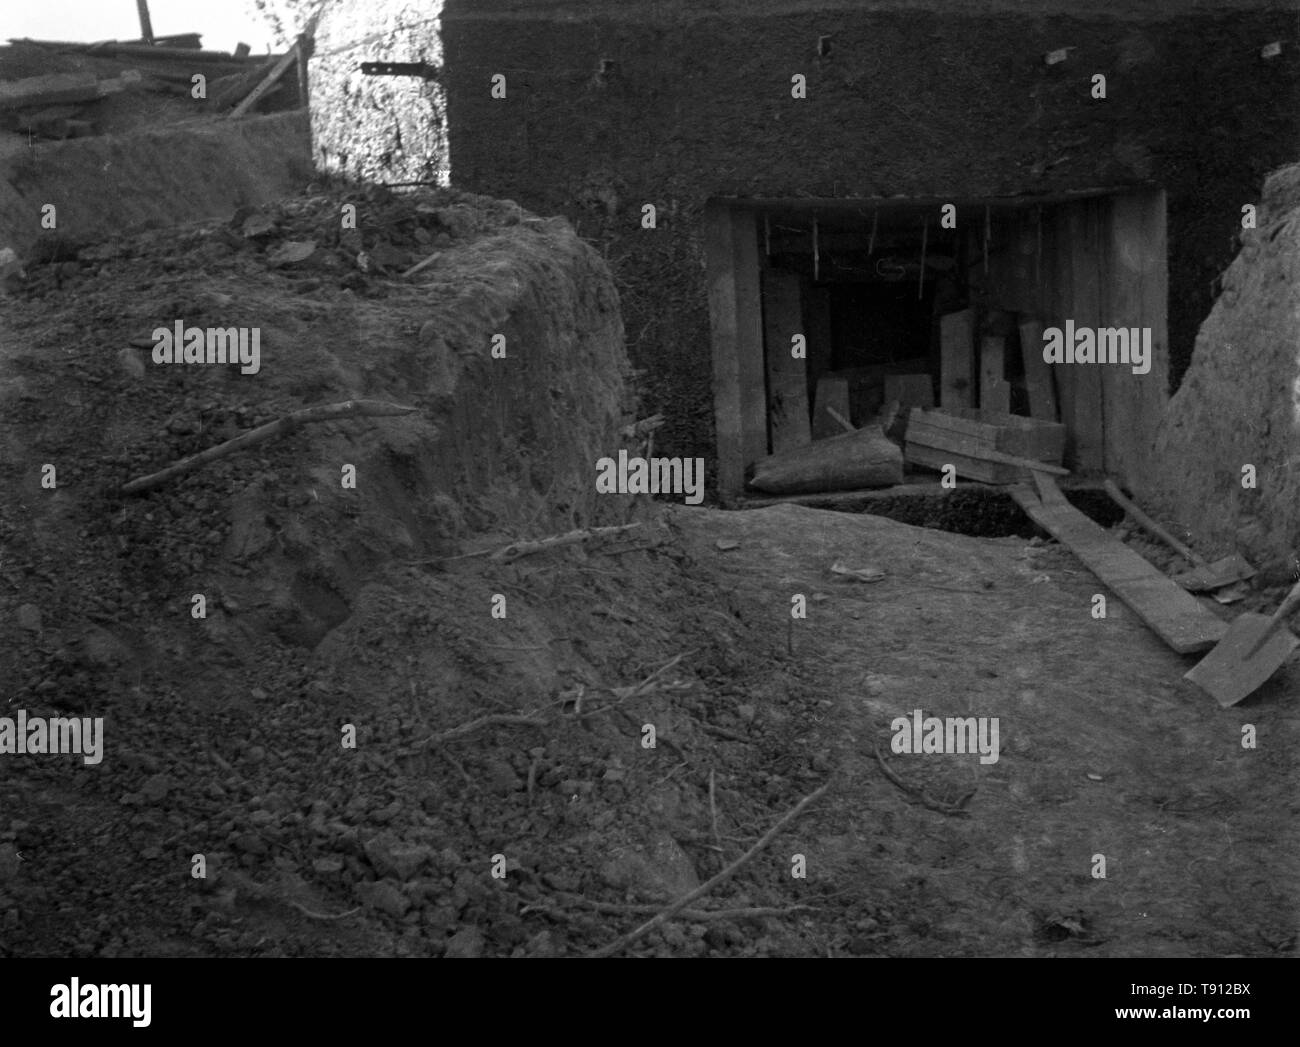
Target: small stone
(131,363)
(328,866)
(155,788)
(29,617)
(382,896)
(747,712)
(465,944)
(258,694)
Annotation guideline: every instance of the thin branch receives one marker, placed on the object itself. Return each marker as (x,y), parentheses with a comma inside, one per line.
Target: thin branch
(704,888)
(956,810)
(320,413)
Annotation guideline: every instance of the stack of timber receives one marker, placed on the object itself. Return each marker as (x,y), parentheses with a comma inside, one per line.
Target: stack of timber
(983,445)
(850,461)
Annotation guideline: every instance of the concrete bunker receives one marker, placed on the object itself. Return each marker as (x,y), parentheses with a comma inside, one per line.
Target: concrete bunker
(850,305)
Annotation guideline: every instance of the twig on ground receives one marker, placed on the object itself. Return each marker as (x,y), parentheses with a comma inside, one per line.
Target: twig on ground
(527,547)
(697,915)
(713,811)
(320,413)
(722,732)
(474,725)
(715,881)
(323,916)
(956,810)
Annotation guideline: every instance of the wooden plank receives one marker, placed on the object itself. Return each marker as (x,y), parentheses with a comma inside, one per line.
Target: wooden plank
(1087,419)
(974,451)
(832,395)
(957,359)
(1134,403)
(971,466)
(1038,372)
(996,397)
(61,88)
(787,376)
(1171,612)
(817,319)
(999,431)
(992,367)
(265,87)
(735,320)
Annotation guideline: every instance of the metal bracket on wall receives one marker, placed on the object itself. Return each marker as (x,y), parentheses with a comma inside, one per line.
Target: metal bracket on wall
(420,69)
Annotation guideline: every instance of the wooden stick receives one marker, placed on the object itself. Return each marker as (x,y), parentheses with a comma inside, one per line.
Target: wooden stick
(844,422)
(515,550)
(320,413)
(957,810)
(694,915)
(420,265)
(474,725)
(713,811)
(704,888)
(1291,602)
(272,78)
(920,283)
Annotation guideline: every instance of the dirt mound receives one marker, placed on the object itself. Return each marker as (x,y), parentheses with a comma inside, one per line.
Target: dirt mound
(1239,404)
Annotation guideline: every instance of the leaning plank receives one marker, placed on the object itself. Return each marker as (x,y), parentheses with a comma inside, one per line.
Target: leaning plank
(1171,612)
(320,413)
(979,463)
(264,88)
(229,90)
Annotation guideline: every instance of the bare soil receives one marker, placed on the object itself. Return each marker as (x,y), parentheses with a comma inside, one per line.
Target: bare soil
(223,736)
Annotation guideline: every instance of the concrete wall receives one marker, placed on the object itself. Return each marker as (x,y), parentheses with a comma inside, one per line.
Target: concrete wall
(911,100)
(378,128)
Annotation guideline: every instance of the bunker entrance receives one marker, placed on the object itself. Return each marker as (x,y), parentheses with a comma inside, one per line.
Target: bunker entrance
(831,315)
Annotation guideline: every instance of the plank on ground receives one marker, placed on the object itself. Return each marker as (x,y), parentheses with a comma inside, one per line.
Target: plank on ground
(1170,611)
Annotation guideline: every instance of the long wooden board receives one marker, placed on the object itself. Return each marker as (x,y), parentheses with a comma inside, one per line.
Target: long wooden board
(957,359)
(787,376)
(1171,612)
(1038,372)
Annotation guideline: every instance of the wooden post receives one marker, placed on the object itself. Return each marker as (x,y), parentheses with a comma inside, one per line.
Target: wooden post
(146,26)
(735,320)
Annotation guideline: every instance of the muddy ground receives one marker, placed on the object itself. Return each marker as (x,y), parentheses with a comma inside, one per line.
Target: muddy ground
(223,738)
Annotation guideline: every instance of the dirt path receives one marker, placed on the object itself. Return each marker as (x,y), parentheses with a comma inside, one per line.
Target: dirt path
(1103,751)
